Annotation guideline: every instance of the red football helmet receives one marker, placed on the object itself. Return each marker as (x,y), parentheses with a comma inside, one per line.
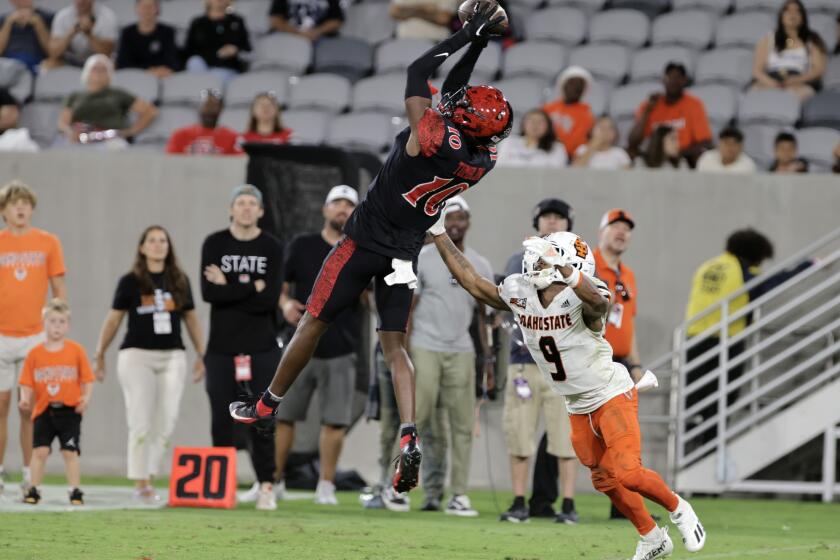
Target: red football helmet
(480,111)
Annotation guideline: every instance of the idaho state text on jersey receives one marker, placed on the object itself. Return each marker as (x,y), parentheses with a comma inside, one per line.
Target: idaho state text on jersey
(549,323)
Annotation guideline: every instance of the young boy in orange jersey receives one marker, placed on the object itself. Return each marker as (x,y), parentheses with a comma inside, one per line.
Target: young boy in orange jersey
(56,384)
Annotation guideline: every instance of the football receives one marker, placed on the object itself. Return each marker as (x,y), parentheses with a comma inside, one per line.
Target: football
(467,9)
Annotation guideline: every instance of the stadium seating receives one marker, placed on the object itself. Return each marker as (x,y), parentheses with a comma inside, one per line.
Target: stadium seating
(179,13)
(255,14)
(346,56)
(328,92)
(625,27)
(523,93)
(140,83)
(713,6)
(380,93)
(598,97)
(776,107)
(41,119)
(725,66)
(183,88)
(816,145)
(534,58)
(235,118)
(693,29)
(831,80)
(606,62)
(564,25)
(308,127)
(169,120)
(721,103)
(395,55)
(827,6)
(761,5)
(647,64)
(366,131)
(57,84)
(369,22)
(826,26)
(588,6)
(282,51)
(743,30)
(822,110)
(758,143)
(650,8)
(625,100)
(486,68)
(15,77)
(241,90)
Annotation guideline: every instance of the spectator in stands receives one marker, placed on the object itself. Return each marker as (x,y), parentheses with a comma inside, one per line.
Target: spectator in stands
(216,40)
(332,370)
(241,267)
(786,154)
(9,110)
(681,110)
(13,138)
(663,151)
(572,117)
(80,30)
(791,58)
(151,364)
(25,34)
(423,19)
(836,167)
(527,394)
(100,114)
(729,156)
(536,146)
(600,151)
(33,264)
(148,44)
(206,137)
(443,355)
(264,122)
(311,19)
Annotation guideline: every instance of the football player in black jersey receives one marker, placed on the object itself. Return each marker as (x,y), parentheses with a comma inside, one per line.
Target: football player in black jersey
(441,154)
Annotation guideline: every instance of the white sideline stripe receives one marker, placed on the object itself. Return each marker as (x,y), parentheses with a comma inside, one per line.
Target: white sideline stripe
(759,551)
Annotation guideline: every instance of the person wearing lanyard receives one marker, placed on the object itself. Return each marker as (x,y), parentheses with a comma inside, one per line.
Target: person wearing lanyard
(241,281)
(614,239)
(151,364)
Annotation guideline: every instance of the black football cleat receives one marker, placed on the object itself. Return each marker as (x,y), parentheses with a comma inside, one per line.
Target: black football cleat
(408,464)
(250,411)
(32,496)
(77,497)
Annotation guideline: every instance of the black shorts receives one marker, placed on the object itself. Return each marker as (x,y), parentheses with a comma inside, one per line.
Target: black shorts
(61,422)
(346,273)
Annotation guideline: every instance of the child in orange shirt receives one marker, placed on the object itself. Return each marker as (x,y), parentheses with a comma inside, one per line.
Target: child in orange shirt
(56,383)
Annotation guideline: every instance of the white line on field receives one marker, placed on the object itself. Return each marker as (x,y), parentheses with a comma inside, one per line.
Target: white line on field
(761,551)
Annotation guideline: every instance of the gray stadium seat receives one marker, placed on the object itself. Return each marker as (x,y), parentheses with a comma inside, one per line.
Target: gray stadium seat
(563,25)
(486,67)
(826,26)
(777,107)
(124,10)
(523,93)
(831,78)
(366,131)
(42,121)
(282,51)
(725,66)
(598,97)
(140,83)
(179,13)
(816,144)
(380,93)
(626,27)
(713,6)
(169,119)
(15,77)
(825,6)
(588,6)
(534,58)
(606,62)
(743,30)
(255,14)
(625,100)
(759,5)
(184,88)
(368,21)
(691,28)
(348,57)
(650,8)
(758,143)
(235,118)
(57,84)
(822,110)
(721,103)
(308,127)
(396,54)
(241,90)
(649,64)
(327,92)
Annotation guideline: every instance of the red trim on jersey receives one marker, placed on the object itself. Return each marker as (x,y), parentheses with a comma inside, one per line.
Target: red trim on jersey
(325,283)
(431,130)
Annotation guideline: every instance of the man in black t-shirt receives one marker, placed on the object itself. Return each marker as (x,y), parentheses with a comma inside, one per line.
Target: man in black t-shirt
(441,154)
(308,18)
(148,44)
(332,368)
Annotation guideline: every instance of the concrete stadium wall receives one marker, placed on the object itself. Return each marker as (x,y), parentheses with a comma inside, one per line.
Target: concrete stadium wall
(99,203)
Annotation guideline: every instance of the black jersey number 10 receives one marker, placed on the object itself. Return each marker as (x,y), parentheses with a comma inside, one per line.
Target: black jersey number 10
(552,354)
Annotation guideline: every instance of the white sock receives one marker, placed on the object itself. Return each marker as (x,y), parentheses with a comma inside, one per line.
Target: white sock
(652,536)
(325,486)
(27,475)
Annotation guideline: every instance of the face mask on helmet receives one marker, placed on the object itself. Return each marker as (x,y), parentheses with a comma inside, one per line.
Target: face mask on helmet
(481,112)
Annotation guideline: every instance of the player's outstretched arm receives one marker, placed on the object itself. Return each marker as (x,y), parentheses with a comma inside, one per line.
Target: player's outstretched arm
(418,97)
(479,287)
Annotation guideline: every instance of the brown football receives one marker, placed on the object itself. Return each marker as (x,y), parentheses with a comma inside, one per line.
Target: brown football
(467,9)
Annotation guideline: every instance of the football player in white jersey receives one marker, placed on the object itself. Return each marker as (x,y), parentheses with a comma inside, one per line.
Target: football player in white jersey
(561,307)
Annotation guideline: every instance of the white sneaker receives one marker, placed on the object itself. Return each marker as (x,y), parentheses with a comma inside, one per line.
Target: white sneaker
(2,479)
(250,495)
(655,545)
(692,531)
(280,490)
(266,500)
(460,505)
(325,493)
(396,501)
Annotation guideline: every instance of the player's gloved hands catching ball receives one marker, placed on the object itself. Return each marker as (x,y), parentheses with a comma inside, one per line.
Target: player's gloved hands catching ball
(482,18)
(438,228)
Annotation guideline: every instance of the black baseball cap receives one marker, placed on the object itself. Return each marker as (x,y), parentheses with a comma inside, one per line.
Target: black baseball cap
(554,205)
(674,65)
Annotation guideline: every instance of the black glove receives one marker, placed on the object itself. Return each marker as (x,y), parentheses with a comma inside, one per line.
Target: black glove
(479,25)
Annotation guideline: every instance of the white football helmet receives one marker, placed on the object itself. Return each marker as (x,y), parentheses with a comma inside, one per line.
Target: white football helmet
(556,249)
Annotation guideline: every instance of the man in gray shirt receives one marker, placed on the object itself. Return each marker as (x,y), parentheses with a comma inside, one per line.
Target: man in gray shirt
(444,361)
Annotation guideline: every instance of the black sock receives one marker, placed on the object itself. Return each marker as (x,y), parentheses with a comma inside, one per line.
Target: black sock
(568,505)
(519,502)
(270,400)
(408,429)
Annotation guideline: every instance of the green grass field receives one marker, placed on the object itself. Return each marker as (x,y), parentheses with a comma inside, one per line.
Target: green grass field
(302,530)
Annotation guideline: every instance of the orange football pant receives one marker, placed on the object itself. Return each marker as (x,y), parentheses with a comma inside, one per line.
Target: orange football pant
(609,442)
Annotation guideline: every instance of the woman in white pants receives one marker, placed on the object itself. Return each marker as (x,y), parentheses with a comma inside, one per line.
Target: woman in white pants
(152,364)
